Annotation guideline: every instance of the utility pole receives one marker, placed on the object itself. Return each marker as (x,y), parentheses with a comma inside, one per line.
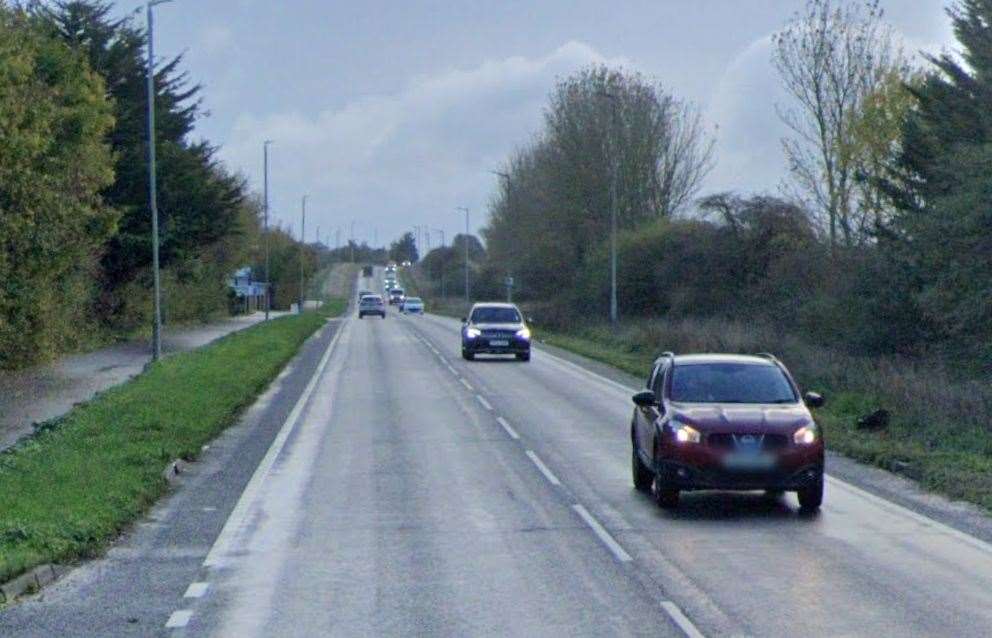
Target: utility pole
(614,152)
(337,239)
(265,232)
(352,241)
(440,230)
(152,186)
(303,249)
(468,295)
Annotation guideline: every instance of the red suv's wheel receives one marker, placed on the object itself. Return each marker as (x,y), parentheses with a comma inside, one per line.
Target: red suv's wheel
(666,497)
(811,497)
(643,476)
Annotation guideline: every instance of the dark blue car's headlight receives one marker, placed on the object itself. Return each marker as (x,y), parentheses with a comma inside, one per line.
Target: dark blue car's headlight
(472,333)
(523,333)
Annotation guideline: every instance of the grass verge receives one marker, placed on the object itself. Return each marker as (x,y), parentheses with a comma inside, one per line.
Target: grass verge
(71,489)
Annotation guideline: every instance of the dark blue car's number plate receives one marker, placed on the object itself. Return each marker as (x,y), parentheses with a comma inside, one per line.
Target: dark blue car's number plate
(498,342)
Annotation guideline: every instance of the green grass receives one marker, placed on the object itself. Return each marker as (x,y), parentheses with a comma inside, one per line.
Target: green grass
(71,489)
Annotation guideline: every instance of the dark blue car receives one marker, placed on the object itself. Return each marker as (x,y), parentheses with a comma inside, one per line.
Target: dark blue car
(495,328)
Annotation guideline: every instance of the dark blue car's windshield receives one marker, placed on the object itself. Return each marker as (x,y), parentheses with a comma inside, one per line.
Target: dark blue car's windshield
(730,383)
(495,315)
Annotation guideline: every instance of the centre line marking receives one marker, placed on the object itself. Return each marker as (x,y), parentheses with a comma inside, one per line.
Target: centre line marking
(509,430)
(179,619)
(604,536)
(196,590)
(483,401)
(452,369)
(548,474)
(681,620)
(465,383)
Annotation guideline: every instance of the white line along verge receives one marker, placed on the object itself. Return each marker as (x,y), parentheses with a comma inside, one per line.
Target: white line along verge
(604,536)
(681,620)
(452,370)
(236,520)
(548,474)
(196,590)
(468,386)
(509,430)
(484,403)
(179,618)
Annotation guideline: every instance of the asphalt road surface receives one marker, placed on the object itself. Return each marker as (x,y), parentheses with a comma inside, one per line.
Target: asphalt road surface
(409,492)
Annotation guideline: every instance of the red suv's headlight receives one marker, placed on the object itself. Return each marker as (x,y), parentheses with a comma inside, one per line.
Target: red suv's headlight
(806,435)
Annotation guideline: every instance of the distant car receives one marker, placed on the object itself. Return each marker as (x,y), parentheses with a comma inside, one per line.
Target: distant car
(407,264)
(396,296)
(371,305)
(412,306)
(364,293)
(495,328)
(366,271)
(725,422)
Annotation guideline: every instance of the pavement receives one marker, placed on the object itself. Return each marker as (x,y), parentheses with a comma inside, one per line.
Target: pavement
(384,486)
(46,392)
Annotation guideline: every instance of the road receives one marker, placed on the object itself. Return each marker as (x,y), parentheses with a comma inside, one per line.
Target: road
(408,492)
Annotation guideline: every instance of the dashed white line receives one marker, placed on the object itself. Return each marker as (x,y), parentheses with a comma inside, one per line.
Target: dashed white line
(486,404)
(681,620)
(452,369)
(468,386)
(604,536)
(179,618)
(509,430)
(196,590)
(548,474)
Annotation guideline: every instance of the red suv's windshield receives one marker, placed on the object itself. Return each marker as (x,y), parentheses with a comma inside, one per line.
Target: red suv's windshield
(730,383)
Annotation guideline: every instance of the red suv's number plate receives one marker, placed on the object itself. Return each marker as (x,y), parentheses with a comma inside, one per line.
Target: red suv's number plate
(744,461)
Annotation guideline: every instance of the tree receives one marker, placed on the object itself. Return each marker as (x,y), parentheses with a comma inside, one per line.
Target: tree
(942,232)
(404,249)
(833,57)
(608,136)
(199,201)
(54,117)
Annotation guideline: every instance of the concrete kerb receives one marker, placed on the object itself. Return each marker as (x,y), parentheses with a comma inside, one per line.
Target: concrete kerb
(29,583)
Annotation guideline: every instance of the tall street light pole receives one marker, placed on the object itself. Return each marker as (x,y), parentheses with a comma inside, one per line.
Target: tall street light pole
(441,230)
(303,248)
(468,295)
(152,185)
(265,231)
(614,152)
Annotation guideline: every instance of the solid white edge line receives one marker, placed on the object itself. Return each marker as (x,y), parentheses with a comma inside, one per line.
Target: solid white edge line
(548,474)
(179,618)
(681,620)
(895,508)
(611,544)
(237,517)
(509,430)
(486,404)
(196,590)
(468,386)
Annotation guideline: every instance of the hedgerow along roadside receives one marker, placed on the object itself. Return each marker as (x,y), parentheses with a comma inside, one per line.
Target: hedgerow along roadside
(71,489)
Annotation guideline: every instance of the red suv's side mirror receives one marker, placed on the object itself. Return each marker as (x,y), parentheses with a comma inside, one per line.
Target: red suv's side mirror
(645,399)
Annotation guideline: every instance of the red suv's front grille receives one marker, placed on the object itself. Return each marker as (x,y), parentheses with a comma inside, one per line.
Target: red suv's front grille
(727,441)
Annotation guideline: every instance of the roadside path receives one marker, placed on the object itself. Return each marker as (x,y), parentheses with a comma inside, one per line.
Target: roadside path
(45,392)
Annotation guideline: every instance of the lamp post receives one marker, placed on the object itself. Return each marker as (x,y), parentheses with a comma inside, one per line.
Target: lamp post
(265,224)
(303,248)
(614,196)
(441,231)
(468,295)
(152,185)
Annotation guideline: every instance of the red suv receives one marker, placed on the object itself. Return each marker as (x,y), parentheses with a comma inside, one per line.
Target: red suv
(726,422)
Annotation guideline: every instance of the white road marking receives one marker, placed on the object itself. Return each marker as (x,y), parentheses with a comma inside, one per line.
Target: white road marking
(509,430)
(548,474)
(604,536)
(681,620)
(452,369)
(236,520)
(196,590)
(443,360)
(878,501)
(468,386)
(179,618)
(483,401)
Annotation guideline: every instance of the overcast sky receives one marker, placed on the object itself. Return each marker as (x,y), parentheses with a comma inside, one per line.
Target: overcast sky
(392,113)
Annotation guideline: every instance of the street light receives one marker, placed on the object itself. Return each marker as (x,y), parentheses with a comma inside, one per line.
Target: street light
(467,294)
(303,248)
(614,195)
(265,232)
(441,231)
(152,186)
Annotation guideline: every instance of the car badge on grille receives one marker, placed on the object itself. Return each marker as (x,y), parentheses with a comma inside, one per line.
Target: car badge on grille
(748,441)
